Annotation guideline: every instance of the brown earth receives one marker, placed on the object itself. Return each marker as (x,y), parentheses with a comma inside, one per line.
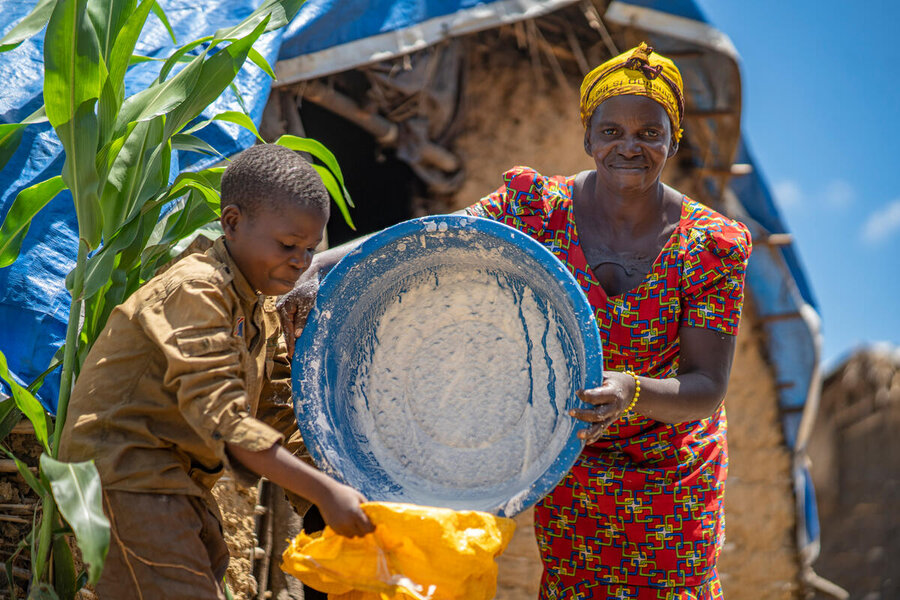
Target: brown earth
(855,454)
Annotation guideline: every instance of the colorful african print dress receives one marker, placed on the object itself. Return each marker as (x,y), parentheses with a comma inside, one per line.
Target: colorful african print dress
(640,513)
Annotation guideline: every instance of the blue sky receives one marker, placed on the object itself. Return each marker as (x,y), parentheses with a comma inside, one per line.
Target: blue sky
(821,110)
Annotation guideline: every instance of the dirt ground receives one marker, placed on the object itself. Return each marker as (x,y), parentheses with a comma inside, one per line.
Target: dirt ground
(17,508)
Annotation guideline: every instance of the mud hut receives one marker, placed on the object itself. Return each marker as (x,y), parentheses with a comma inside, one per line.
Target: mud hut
(426,108)
(855,454)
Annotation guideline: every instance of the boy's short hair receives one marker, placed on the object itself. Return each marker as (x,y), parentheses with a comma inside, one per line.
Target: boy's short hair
(272,176)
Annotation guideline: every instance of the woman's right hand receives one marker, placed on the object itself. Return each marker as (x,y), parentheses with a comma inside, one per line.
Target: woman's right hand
(342,511)
(609,401)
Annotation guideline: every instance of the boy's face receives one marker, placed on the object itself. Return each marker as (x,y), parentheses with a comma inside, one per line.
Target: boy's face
(273,247)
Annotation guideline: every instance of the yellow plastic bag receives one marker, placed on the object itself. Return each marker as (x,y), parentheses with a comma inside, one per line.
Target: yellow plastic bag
(415,552)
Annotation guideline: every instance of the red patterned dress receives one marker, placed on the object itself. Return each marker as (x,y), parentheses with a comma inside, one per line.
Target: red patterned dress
(640,513)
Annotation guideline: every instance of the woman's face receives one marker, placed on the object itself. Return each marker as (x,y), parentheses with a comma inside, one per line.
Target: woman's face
(630,139)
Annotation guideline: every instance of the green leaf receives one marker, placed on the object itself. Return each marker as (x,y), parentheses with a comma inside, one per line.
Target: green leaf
(33,482)
(232,116)
(180,56)
(319,152)
(55,362)
(27,204)
(76,488)
(277,13)
(217,73)
(238,96)
(125,42)
(11,134)
(29,26)
(71,62)
(10,137)
(100,266)
(79,138)
(334,189)
(72,84)
(260,61)
(27,403)
(122,193)
(65,578)
(108,17)
(161,15)
(160,97)
(191,143)
(10,415)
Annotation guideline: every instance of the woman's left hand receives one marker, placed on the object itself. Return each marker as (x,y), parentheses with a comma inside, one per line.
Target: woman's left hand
(609,401)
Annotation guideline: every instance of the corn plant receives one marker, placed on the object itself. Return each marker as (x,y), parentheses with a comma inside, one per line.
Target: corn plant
(132,217)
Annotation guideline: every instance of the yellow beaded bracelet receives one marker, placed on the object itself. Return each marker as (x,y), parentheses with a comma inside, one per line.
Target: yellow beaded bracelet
(637,391)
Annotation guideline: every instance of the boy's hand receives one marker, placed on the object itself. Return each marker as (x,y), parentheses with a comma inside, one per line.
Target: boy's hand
(294,307)
(342,512)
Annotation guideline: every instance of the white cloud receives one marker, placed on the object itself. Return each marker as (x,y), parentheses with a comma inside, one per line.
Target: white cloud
(839,194)
(882,224)
(788,194)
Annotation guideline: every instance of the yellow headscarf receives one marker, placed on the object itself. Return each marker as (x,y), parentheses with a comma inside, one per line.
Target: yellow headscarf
(637,72)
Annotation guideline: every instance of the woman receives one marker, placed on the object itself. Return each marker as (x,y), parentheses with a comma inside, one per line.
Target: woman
(640,514)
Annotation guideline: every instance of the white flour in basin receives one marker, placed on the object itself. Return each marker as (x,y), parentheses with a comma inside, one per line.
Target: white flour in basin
(466,386)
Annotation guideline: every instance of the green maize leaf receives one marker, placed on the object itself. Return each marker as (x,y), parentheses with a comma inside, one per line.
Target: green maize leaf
(27,403)
(191,143)
(71,63)
(121,193)
(277,13)
(107,109)
(10,137)
(260,61)
(231,116)
(331,185)
(180,56)
(238,96)
(33,482)
(218,71)
(29,26)
(124,44)
(76,488)
(160,97)
(11,134)
(319,152)
(10,415)
(161,15)
(100,266)
(26,205)
(79,138)
(107,154)
(55,362)
(108,17)
(65,578)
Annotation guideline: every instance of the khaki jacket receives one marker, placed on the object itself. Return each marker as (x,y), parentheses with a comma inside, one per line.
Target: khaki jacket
(194,359)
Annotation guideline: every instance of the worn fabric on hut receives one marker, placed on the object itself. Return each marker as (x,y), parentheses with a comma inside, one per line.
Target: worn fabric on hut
(640,513)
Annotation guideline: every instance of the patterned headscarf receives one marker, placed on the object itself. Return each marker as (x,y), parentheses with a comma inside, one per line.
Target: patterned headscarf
(636,72)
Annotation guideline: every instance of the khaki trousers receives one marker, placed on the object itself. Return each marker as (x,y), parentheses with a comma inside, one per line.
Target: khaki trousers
(162,547)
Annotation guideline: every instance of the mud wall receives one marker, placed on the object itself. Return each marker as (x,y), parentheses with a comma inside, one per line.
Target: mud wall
(855,454)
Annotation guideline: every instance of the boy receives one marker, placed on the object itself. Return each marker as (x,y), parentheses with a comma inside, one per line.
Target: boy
(180,378)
